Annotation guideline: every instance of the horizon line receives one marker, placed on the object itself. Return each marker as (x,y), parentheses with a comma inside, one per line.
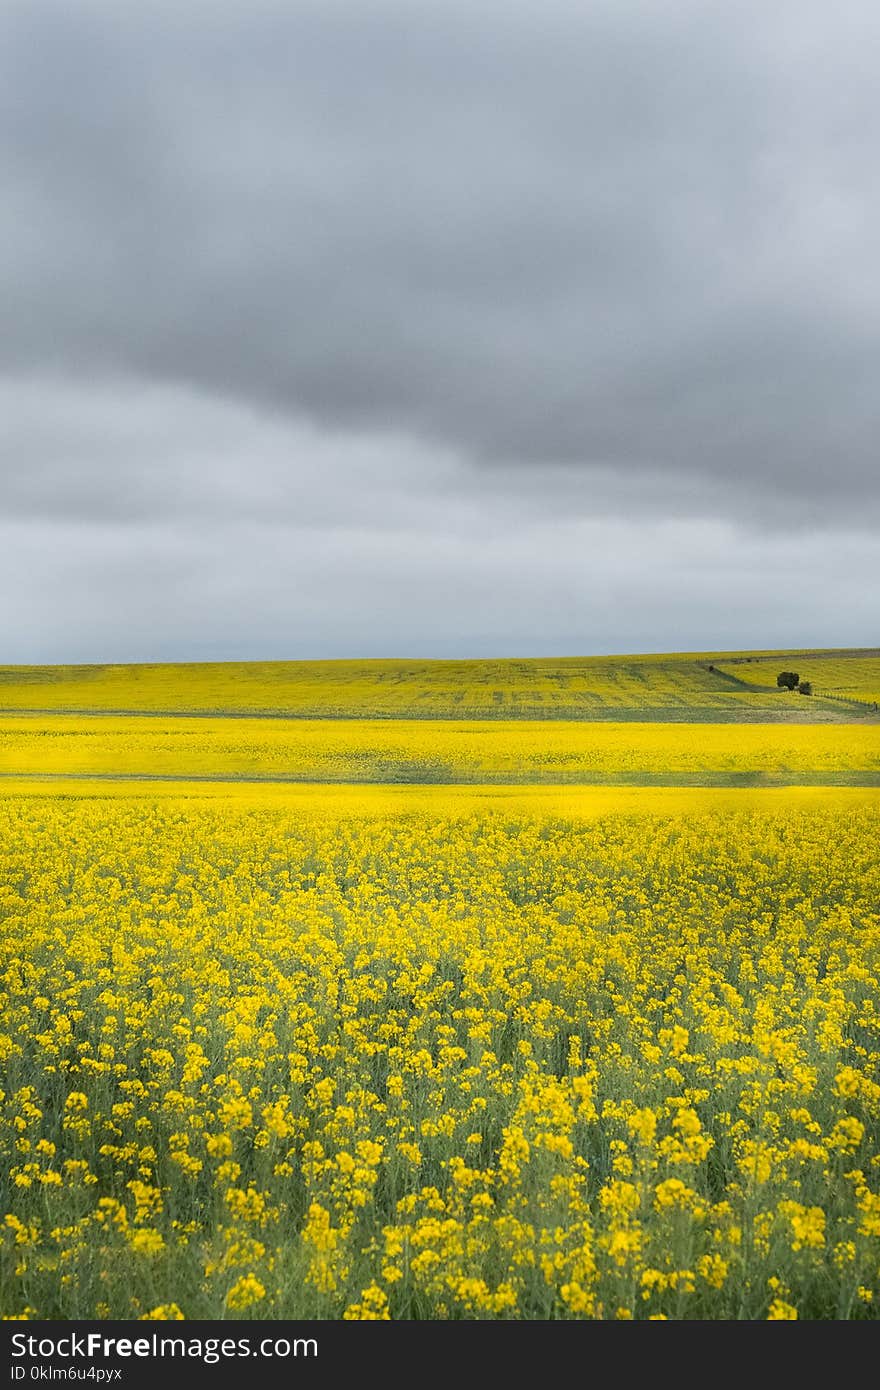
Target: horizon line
(692,654)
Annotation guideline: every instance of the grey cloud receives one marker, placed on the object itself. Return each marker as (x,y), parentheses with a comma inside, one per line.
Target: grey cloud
(165,591)
(122,452)
(631,246)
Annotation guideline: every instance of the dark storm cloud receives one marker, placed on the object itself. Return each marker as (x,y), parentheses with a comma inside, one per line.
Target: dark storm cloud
(608,254)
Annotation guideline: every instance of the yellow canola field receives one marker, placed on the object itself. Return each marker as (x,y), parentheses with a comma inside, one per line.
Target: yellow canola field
(341,800)
(434,751)
(675,685)
(853,678)
(261,1063)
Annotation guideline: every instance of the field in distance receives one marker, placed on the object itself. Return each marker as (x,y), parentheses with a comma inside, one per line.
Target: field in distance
(404,751)
(684,687)
(853,677)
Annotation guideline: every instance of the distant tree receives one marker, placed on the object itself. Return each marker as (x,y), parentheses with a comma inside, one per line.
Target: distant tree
(787,680)
(805,687)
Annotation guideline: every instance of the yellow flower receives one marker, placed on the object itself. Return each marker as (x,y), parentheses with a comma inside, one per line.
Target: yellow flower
(245,1292)
(146,1241)
(807,1224)
(713,1269)
(219,1145)
(846,1135)
(781,1311)
(642,1124)
(236,1113)
(578,1300)
(373,1306)
(246,1205)
(164,1312)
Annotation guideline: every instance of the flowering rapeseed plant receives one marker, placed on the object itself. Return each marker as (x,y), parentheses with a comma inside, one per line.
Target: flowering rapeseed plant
(459,1062)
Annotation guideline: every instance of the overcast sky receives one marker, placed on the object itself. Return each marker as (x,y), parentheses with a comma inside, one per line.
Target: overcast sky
(437,327)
